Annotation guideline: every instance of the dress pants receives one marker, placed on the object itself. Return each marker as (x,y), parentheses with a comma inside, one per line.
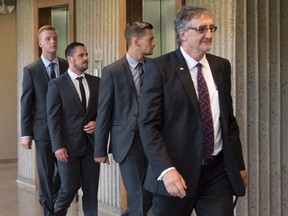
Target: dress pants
(79,172)
(212,198)
(49,181)
(133,170)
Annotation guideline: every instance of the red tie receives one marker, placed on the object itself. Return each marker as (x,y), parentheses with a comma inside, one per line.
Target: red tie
(205,113)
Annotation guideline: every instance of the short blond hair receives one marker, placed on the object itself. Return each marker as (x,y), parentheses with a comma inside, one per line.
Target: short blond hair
(45,28)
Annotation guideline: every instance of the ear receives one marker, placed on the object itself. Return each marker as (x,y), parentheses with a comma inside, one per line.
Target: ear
(40,45)
(135,41)
(182,34)
(70,59)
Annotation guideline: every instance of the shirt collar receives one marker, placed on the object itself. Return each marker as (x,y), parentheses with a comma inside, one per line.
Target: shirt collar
(191,63)
(132,61)
(47,62)
(74,76)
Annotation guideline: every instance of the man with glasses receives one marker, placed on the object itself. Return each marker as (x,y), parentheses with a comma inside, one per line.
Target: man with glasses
(118,110)
(187,126)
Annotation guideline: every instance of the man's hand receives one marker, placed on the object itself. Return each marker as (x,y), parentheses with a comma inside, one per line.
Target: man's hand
(62,155)
(174,183)
(102,160)
(26,142)
(90,127)
(244,176)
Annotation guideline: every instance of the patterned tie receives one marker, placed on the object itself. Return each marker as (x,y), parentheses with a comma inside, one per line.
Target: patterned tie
(205,113)
(82,91)
(141,74)
(52,71)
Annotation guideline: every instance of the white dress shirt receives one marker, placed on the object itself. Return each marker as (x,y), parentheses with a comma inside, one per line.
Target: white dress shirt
(74,77)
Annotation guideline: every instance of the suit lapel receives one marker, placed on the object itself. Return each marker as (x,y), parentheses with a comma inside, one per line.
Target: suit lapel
(215,72)
(185,77)
(62,66)
(43,70)
(218,79)
(72,89)
(128,74)
(91,90)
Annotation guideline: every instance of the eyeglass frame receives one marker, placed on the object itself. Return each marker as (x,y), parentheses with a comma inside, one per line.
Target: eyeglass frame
(203,29)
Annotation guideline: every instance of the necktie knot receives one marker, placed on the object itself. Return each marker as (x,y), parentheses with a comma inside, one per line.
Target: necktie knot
(199,68)
(52,70)
(79,79)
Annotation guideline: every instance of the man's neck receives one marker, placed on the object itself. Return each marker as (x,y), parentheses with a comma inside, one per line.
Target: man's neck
(49,56)
(135,55)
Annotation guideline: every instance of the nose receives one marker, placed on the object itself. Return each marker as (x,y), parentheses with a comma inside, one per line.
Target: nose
(209,33)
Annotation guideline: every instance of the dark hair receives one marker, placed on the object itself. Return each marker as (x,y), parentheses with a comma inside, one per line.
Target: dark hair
(136,28)
(184,16)
(45,28)
(69,51)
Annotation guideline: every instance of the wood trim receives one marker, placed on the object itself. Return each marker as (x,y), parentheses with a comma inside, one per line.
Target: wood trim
(54,3)
(122,25)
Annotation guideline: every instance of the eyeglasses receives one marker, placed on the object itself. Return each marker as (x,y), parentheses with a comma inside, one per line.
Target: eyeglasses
(203,29)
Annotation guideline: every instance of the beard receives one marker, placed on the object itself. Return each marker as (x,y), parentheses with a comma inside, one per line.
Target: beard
(83,67)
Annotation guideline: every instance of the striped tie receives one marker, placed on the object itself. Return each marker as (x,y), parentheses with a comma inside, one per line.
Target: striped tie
(141,74)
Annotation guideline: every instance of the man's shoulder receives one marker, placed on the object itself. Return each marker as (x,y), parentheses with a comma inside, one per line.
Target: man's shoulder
(117,65)
(92,77)
(34,65)
(216,58)
(62,61)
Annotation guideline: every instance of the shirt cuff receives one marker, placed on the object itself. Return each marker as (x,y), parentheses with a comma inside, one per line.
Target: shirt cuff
(164,172)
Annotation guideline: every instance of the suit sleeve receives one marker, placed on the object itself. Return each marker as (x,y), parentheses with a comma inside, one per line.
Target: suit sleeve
(104,114)
(54,116)
(151,119)
(27,104)
(233,128)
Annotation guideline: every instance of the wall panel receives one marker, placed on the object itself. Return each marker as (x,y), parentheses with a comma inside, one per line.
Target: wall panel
(25,55)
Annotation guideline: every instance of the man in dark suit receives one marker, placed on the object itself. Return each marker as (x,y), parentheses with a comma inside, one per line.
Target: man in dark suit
(118,115)
(71,111)
(33,114)
(187,126)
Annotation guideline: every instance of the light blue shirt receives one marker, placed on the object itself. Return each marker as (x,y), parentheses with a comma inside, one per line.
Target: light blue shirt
(47,63)
(134,71)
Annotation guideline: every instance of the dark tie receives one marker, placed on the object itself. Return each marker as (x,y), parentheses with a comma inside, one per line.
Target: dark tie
(141,74)
(52,71)
(82,91)
(205,113)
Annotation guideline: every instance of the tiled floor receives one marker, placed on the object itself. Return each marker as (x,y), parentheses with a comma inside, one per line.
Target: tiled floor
(21,200)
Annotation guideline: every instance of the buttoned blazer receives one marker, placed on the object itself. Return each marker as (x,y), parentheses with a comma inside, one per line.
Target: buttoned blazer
(117,111)
(33,99)
(66,115)
(170,124)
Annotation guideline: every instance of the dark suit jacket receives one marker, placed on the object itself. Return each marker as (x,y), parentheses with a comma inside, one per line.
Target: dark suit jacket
(67,117)
(117,109)
(33,99)
(170,124)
